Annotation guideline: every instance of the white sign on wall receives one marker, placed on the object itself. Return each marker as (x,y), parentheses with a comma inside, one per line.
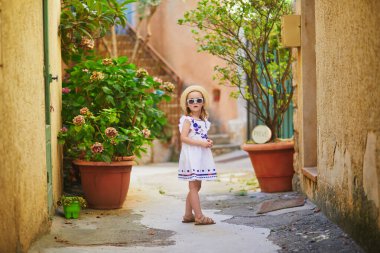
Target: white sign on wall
(261,134)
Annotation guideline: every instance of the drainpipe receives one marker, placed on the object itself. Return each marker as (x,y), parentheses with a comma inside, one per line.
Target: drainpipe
(47,80)
(47,75)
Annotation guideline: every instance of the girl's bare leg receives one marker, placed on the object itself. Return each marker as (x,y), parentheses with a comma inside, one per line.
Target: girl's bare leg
(189,209)
(193,199)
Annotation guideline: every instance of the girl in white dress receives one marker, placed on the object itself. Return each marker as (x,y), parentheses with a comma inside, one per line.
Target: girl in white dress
(196,162)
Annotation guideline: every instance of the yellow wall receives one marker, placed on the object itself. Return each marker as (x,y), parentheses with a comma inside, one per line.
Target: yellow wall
(22,126)
(347,48)
(55,96)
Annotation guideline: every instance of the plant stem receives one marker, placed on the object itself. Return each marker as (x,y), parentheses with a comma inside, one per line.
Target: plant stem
(134,121)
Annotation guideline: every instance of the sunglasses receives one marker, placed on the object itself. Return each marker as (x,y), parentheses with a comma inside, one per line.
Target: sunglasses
(195,101)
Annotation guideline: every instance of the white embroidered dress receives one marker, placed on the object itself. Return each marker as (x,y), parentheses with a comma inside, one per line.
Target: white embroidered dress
(196,162)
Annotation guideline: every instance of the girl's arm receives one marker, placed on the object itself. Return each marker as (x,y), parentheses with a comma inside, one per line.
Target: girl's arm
(185,139)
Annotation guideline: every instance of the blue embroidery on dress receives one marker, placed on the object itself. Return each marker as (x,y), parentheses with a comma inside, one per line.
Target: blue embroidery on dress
(198,129)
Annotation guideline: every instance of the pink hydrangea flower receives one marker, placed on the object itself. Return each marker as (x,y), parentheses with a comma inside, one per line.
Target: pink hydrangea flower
(167,86)
(107,61)
(87,43)
(146,132)
(96,75)
(111,132)
(65,90)
(97,148)
(141,72)
(84,111)
(158,80)
(79,120)
(63,130)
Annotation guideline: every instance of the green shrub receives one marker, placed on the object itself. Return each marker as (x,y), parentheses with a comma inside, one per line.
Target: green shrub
(109,109)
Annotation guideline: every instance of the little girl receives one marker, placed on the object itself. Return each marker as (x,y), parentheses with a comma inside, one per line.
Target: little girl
(196,162)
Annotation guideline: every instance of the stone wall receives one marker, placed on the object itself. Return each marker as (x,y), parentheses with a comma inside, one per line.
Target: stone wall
(23,188)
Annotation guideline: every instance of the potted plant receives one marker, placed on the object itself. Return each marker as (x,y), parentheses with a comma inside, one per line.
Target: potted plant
(110,111)
(72,205)
(246,35)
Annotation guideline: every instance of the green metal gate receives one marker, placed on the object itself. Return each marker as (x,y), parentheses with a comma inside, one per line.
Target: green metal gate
(286,130)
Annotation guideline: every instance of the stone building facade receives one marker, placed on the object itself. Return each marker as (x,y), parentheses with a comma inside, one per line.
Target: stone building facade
(337,116)
(178,47)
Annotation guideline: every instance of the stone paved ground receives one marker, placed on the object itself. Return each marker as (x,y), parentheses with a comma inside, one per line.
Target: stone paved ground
(300,229)
(150,219)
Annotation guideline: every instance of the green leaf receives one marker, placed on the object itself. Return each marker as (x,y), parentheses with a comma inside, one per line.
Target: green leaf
(110,100)
(107,90)
(106,158)
(121,60)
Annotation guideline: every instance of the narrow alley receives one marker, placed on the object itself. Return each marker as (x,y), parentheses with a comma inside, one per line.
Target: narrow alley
(150,220)
(89,87)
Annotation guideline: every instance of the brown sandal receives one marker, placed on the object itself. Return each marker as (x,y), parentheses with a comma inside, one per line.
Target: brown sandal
(204,221)
(188,220)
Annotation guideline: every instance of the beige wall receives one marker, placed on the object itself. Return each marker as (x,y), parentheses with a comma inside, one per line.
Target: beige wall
(176,44)
(23,188)
(55,96)
(305,112)
(347,49)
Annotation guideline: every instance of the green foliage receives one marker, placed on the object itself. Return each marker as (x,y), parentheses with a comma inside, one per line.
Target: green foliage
(144,5)
(69,200)
(83,21)
(109,110)
(161,191)
(242,192)
(246,35)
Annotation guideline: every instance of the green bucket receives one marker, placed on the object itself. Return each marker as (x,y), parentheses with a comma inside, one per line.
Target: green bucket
(72,210)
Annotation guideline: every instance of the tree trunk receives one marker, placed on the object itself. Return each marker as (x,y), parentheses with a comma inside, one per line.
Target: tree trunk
(114,42)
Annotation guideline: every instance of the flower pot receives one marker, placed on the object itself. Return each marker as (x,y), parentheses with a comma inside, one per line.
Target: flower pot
(105,185)
(72,210)
(273,165)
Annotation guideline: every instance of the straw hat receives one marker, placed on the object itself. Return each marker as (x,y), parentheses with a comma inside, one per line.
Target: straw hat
(190,89)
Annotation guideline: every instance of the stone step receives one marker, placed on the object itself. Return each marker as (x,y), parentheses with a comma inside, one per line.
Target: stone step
(220,149)
(214,129)
(147,61)
(232,156)
(219,138)
(125,51)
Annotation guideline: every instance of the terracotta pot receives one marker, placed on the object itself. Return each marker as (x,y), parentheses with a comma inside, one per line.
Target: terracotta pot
(105,185)
(273,165)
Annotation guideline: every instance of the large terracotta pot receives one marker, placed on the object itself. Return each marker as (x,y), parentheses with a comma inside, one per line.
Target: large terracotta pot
(273,165)
(105,185)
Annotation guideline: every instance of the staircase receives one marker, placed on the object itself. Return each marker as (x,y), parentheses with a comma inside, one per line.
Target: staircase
(222,142)
(149,59)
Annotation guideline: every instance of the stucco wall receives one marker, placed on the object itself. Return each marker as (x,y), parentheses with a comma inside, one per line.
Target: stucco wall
(55,96)
(176,44)
(348,106)
(23,189)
